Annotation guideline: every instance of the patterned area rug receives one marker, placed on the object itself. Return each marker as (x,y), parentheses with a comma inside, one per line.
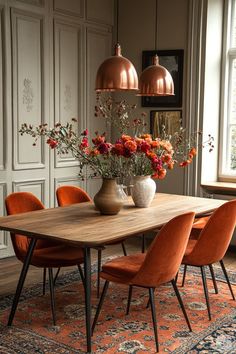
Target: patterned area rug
(33,331)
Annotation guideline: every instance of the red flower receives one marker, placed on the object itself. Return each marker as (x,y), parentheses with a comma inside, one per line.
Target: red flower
(104,148)
(52,143)
(145,146)
(85,132)
(84,143)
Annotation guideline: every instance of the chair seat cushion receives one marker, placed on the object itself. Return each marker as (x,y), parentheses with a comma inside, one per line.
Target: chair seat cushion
(201,222)
(122,269)
(59,256)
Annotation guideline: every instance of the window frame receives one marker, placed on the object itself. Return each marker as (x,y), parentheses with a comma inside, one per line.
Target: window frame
(228,55)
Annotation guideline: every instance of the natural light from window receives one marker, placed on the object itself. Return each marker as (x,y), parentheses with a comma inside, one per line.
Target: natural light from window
(228,138)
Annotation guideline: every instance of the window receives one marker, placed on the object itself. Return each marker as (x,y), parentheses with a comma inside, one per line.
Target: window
(228,126)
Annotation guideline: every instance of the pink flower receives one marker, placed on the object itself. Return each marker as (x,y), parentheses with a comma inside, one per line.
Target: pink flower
(84,143)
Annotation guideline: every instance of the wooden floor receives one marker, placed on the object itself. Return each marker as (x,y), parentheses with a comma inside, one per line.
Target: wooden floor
(11,267)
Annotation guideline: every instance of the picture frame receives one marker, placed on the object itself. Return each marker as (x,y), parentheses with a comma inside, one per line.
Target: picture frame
(171,119)
(173,61)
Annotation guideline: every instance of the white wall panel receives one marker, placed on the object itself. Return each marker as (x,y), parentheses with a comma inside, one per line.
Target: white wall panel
(100,11)
(98,49)
(27,36)
(33,2)
(67,79)
(72,7)
(36,186)
(2,113)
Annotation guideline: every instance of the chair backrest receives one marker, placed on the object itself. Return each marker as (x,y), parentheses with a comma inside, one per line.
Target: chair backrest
(67,195)
(165,254)
(215,237)
(22,202)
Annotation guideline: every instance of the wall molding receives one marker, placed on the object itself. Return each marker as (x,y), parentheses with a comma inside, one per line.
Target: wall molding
(41,182)
(28,94)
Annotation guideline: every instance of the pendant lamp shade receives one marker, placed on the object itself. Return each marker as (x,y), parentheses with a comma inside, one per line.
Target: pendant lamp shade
(116,73)
(156,80)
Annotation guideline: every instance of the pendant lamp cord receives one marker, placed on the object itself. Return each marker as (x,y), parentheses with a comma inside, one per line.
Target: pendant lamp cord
(155,25)
(117,21)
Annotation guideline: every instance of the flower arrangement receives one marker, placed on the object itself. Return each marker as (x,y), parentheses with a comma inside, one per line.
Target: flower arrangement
(128,156)
(137,155)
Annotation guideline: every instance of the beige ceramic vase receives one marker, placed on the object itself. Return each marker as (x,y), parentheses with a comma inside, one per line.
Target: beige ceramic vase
(143,191)
(108,200)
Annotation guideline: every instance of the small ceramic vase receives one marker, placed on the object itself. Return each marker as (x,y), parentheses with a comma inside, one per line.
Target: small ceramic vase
(143,191)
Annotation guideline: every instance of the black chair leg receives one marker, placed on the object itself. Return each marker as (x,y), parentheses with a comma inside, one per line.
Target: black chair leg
(123,248)
(104,291)
(143,243)
(98,271)
(21,280)
(227,278)
(184,274)
(129,299)
(206,291)
(154,320)
(50,273)
(44,280)
(55,278)
(181,304)
(81,273)
(213,278)
(176,277)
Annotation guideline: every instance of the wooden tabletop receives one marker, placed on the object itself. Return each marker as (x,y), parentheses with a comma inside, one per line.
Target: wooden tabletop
(81,224)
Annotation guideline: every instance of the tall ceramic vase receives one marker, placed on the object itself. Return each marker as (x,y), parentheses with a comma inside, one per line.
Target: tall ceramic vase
(108,200)
(143,191)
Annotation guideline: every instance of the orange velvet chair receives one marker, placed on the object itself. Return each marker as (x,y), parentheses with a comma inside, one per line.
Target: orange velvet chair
(67,195)
(198,225)
(212,245)
(47,254)
(159,265)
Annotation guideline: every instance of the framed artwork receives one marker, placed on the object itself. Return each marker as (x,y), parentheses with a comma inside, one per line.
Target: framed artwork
(173,61)
(170,119)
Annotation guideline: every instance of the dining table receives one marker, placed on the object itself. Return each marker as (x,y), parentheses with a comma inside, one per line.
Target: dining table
(81,225)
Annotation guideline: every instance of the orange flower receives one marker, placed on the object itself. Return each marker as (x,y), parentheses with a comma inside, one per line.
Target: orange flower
(94,152)
(166,158)
(166,145)
(151,155)
(126,137)
(185,163)
(161,173)
(170,166)
(118,149)
(130,145)
(155,144)
(193,151)
(146,136)
(138,141)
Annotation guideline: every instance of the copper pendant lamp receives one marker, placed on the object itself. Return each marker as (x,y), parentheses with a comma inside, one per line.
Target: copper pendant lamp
(156,80)
(116,73)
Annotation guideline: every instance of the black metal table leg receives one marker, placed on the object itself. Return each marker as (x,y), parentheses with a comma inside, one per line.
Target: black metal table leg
(21,280)
(87,289)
